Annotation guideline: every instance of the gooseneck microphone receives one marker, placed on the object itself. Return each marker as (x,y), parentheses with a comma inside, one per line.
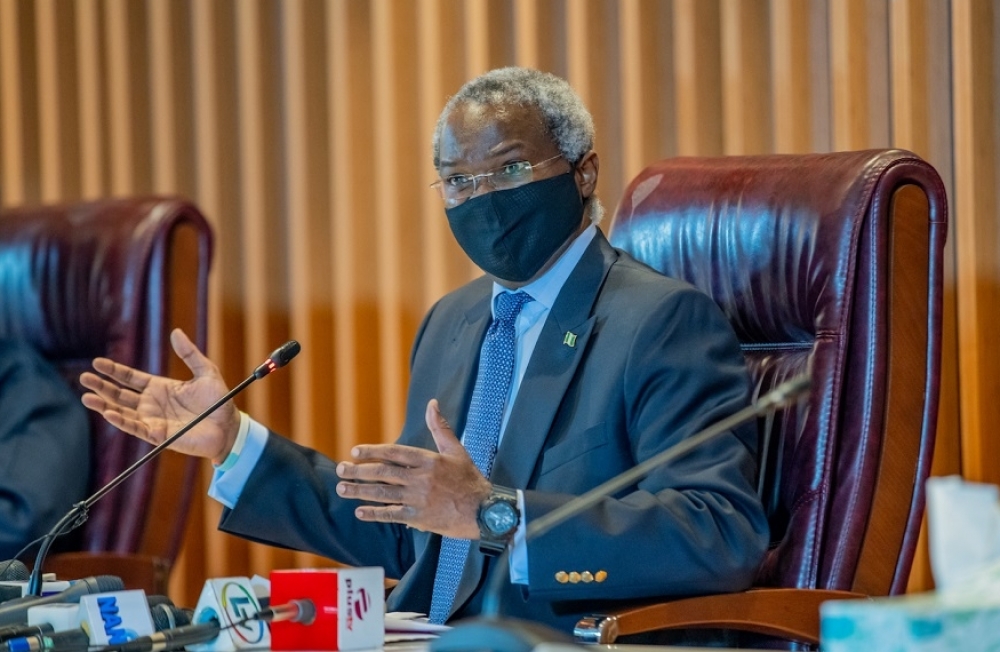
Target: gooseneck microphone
(171,639)
(297,611)
(20,631)
(174,638)
(15,612)
(490,632)
(77,514)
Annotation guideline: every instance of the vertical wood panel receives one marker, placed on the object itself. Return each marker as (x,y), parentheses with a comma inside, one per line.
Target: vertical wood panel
(746,86)
(295,124)
(387,207)
(163,102)
(348,418)
(526,31)
(49,98)
(11,105)
(634,91)
(859,42)
(435,21)
(697,77)
(122,121)
(207,160)
(254,188)
(790,64)
(89,86)
(920,92)
(974,43)
(477,51)
(578,48)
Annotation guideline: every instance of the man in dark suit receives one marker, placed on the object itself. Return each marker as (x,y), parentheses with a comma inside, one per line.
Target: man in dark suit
(568,363)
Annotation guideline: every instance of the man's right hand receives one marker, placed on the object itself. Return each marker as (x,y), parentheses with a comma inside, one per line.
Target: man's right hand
(153,407)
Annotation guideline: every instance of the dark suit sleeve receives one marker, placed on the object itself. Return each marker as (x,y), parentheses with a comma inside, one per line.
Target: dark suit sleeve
(44,447)
(290,500)
(693,526)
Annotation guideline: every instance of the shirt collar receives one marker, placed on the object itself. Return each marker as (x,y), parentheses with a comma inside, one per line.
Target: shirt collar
(545,288)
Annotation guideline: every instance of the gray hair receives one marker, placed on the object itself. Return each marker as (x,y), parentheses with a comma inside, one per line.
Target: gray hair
(565,118)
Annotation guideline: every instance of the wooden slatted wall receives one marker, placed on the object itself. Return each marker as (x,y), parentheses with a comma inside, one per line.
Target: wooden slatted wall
(302,129)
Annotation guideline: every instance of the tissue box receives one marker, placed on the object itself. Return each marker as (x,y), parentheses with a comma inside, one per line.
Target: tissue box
(926,622)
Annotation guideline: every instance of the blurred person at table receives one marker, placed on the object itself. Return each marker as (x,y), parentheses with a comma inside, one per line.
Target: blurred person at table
(44,447)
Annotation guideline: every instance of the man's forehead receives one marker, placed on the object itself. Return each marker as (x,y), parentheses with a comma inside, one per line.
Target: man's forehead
(473,120)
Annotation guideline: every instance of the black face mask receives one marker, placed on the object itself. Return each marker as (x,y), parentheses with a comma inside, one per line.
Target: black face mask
(510,234)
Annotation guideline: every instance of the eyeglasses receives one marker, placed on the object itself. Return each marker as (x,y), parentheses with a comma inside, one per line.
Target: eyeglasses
(459,187)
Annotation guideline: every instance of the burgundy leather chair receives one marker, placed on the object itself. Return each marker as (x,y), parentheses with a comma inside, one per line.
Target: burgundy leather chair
(113,278)
(833,263)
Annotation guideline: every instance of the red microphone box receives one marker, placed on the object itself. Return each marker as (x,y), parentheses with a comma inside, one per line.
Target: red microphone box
(350,608)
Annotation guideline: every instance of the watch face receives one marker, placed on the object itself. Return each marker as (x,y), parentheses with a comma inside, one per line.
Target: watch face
(500,517)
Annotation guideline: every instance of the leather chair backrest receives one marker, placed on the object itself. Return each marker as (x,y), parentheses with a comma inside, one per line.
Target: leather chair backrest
(112,278)
(830,263)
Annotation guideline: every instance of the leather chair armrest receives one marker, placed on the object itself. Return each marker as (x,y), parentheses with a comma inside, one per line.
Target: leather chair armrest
(791,614)
(137,571)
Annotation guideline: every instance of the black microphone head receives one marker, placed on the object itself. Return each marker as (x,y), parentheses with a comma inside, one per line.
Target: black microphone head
(154,600)
(13,570)
(279,358)
(284,353)
(102,583)
(167,616)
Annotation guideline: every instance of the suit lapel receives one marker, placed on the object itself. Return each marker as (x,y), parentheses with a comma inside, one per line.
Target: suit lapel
(461,356)
(454,392)
(561,346)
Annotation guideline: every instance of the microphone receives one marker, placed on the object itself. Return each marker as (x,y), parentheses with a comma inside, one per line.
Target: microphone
(13,570)
(41,639)
(171,639)
(15,612)
(77,514)
(490,632)
(72,639)
(13,574)
(167,616)
(20,631)
(295,611)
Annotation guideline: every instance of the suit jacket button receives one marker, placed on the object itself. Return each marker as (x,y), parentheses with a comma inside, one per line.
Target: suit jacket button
(600,576)
(587,577)
(562,577)
(574,577)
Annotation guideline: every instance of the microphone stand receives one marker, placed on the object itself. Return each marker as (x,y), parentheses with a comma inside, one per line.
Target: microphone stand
(78,513)
(511,635)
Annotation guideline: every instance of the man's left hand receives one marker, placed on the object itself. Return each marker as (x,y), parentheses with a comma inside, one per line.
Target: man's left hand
(436,492)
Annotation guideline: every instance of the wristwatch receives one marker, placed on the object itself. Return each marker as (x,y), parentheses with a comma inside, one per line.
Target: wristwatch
(498,518)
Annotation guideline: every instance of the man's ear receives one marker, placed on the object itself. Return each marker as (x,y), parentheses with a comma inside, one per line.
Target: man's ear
(586,173)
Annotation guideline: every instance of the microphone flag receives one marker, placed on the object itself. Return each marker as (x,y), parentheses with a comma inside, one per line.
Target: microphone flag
(115,618)
(230,600)
(349,605)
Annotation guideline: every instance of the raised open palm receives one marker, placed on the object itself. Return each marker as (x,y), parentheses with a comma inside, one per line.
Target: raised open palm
(154,407)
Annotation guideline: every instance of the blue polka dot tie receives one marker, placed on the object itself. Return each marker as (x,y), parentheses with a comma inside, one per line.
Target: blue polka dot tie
(482,432)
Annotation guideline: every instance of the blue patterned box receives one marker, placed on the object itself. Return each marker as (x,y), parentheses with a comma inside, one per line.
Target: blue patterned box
(926,622)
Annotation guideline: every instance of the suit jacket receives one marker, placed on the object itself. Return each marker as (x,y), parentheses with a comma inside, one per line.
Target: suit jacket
(654,361)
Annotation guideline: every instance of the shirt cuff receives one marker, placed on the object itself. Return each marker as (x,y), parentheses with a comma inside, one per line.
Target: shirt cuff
(241,438)
(518,548)
(231,476)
